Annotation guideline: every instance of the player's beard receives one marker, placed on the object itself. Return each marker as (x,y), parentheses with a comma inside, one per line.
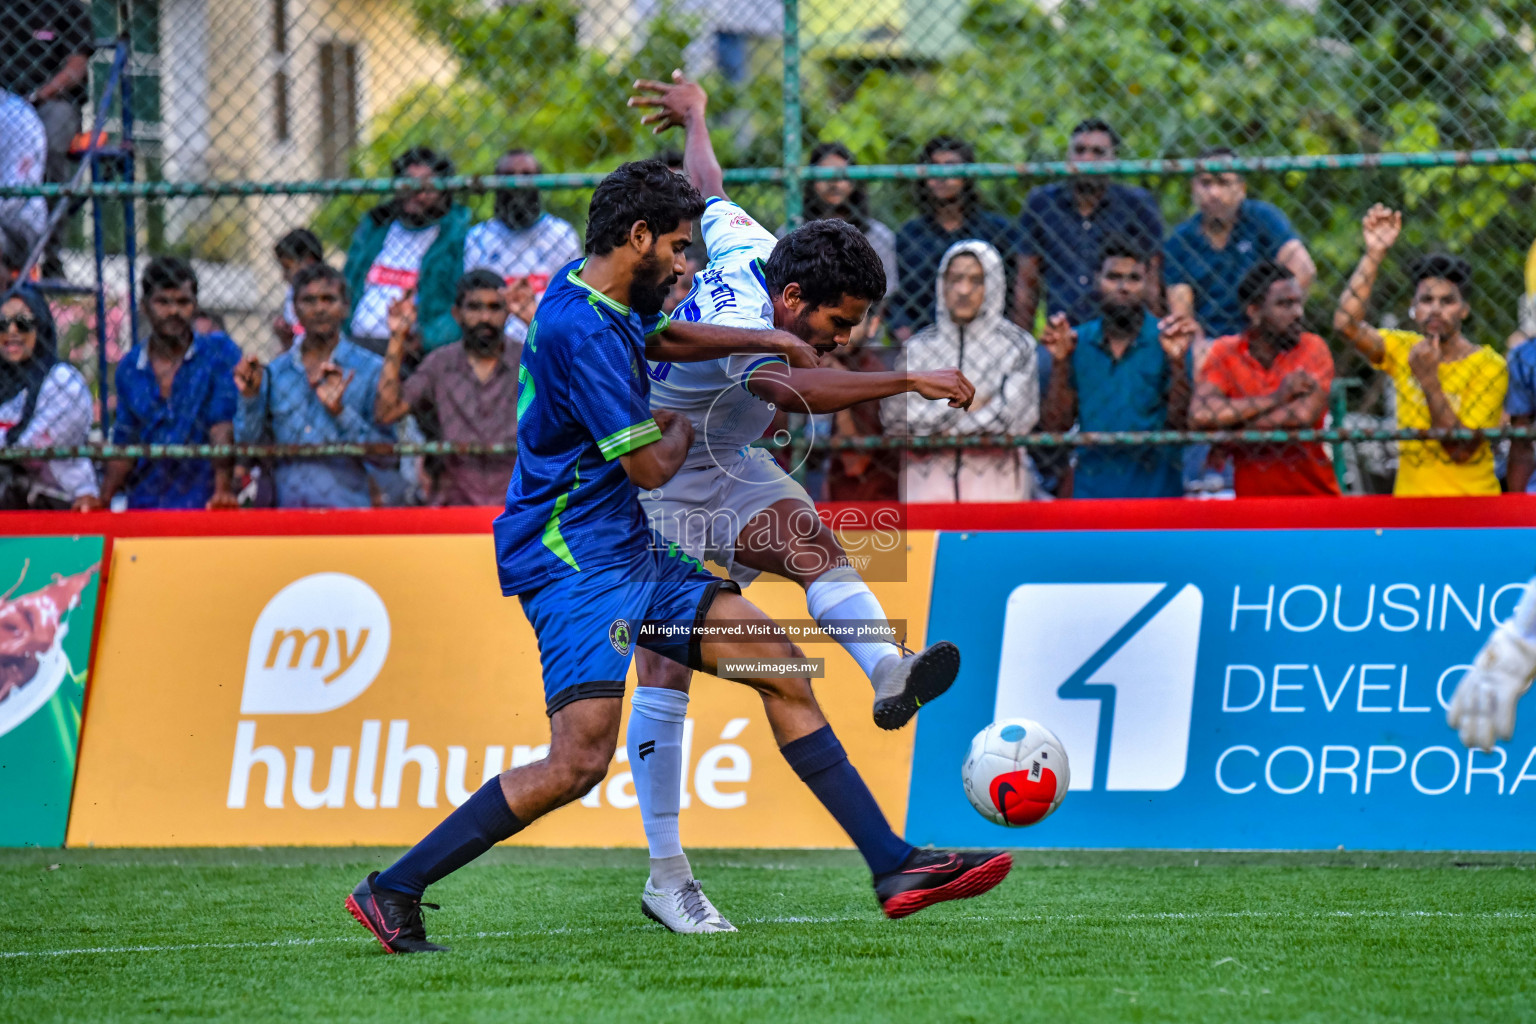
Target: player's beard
(649,288)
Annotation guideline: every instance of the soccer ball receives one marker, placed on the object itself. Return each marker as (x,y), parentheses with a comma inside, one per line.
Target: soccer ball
(1016,773)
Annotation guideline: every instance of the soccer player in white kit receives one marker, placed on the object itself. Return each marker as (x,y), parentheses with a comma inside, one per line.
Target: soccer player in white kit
(1483,707)
(732,503)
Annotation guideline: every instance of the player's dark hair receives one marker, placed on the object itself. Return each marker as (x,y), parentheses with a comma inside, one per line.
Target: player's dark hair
(1255,284)
(1446,267)
(298,244)
(167,272)
(828,259)
(421,156)
(1096,124)
(673,158)
(1121,247)
(308,275)
(477,280)
(969,197)
(642,190)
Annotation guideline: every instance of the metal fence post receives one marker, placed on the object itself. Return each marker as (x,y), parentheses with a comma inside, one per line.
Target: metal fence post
(793,118)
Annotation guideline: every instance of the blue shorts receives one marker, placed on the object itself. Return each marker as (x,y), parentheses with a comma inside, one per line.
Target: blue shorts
(588,623)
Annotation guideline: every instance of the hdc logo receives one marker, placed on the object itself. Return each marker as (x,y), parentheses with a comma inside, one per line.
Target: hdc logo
(1110,668)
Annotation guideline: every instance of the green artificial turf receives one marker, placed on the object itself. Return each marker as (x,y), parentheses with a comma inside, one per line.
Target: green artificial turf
(256,935)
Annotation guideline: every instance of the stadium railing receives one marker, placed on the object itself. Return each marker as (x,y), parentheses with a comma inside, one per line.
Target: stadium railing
(1329,108)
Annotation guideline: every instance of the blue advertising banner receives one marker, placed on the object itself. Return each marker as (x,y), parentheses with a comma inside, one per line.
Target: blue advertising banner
(1238,689)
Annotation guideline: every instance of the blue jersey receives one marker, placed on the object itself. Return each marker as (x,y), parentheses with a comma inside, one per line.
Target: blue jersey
(583,400)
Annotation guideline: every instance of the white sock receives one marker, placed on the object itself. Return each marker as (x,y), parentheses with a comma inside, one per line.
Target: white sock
(842,596)
(1524,619)
(654,741)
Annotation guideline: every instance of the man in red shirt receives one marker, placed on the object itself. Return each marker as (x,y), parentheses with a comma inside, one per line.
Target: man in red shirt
(1273,376)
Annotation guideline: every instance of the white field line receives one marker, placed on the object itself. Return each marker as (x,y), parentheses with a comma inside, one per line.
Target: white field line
(1406,915)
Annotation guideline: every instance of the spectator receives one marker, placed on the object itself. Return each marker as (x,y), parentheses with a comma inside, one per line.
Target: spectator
(1122,370)
(471,385)
(951,212)
(868,474)
(42,402)
(296,250)
(413,243)
(847,200)
(1064,228)
(174,388)
(973,335)
(45,52)
(1272,376)
(1525,328)
(14,251)
(23,154)
(1443,380)
(321,391)
(522,243)
(1206,256)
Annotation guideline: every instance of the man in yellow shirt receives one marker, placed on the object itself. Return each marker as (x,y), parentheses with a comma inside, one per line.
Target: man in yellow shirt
(1443,380)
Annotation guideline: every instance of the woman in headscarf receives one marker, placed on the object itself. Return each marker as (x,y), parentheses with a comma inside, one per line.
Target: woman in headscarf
(43,402)
(970,332)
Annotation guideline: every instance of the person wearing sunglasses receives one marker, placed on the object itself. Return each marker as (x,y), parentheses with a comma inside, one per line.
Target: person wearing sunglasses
(43,402)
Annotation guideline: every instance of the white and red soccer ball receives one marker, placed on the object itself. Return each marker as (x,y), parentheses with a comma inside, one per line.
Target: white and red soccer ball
(1016,773)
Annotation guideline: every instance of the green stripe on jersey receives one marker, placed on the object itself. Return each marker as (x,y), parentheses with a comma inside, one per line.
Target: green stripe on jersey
(525,390)
(553,538)
(622,442)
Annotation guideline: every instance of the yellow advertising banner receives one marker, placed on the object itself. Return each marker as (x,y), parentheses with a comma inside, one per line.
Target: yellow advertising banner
(353,690)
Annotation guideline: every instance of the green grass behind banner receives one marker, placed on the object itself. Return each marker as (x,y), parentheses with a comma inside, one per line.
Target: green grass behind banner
(550,935)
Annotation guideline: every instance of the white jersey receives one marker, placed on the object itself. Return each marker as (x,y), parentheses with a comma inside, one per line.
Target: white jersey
(729,291)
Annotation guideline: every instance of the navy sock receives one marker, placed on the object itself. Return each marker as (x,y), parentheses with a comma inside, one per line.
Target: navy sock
(822,765)
(478,824)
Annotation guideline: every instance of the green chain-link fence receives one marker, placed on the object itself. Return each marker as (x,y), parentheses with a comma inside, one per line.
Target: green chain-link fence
(256,119)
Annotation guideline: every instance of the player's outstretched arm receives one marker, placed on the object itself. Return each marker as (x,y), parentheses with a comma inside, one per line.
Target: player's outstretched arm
(652,465)
(684,341)
(830,390)
(682,104)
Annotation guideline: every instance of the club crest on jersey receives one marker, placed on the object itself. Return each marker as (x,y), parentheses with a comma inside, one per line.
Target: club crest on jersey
(618,635)
(740,220)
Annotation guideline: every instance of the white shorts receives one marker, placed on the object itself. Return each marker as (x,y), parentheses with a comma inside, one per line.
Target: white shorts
(704,508)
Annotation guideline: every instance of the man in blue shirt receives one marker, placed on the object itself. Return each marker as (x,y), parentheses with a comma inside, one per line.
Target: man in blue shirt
(177,387)
(1121,371)
(1206,256)
(321,391)
(1064,228)
(594,581)
(951,212)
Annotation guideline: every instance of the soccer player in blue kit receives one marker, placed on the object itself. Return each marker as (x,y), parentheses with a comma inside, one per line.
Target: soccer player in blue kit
(594,581)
